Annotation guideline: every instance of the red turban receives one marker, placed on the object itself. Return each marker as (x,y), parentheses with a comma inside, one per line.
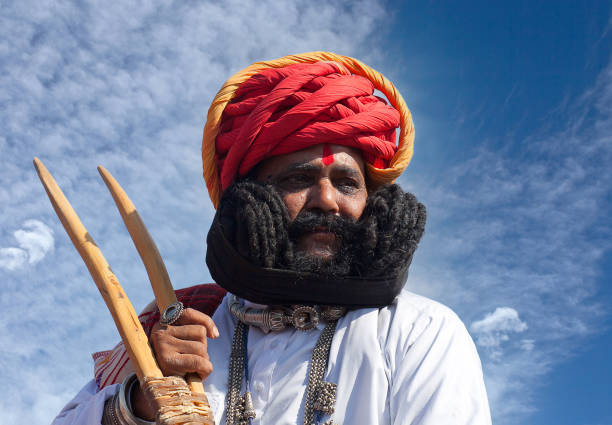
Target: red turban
(291,103)
(283,110)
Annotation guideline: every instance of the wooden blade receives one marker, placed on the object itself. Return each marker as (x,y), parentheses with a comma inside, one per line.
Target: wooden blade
(124,315)
(156,269)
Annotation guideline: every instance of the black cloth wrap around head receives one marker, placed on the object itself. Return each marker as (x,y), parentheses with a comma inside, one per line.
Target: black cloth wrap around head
(381,249)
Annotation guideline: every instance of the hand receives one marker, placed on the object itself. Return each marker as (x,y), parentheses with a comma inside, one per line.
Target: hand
(180,348)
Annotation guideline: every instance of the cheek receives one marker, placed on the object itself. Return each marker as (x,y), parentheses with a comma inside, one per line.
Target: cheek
(353,206)
(295,203)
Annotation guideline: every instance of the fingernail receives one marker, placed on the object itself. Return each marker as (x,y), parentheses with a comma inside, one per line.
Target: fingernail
(216,332)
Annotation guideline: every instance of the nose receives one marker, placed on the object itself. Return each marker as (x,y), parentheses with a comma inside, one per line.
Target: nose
(324,197)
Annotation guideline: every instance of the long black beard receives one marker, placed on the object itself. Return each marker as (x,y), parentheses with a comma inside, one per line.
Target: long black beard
(252,248)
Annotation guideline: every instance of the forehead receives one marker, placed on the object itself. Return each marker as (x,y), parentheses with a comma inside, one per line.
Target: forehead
(343,157)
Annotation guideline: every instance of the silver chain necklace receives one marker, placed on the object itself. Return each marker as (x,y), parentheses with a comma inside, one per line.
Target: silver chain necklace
(320,395)
(277,318)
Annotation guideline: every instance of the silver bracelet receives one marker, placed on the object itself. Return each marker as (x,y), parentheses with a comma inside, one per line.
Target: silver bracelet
(118,409)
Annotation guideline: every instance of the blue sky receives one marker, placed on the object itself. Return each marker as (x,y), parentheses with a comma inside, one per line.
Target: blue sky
(512,107)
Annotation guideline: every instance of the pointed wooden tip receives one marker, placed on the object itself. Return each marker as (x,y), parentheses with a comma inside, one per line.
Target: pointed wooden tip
(110,181)
(48,182)
(44,175)
(106,176)
(122,200)
(38,164)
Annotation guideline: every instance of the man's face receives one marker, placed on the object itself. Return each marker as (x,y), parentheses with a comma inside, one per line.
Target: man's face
(327,179)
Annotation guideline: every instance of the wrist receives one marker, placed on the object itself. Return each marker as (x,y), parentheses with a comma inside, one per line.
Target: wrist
(136,401)
(118,410)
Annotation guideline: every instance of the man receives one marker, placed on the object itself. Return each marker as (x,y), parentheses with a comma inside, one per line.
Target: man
(313,245)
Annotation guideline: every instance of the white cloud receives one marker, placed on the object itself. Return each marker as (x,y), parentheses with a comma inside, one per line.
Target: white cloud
(503,319)
(35,240)
(527,344)
(496,328)
(127,87)
(12,258)
(524,222)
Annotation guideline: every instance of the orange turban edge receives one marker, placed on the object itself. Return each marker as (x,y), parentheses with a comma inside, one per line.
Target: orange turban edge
(288,104)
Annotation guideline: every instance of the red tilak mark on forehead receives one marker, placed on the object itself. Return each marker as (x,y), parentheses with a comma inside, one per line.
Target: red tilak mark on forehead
(328,156)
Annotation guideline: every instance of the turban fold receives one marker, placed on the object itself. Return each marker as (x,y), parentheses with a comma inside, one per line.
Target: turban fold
(282,106)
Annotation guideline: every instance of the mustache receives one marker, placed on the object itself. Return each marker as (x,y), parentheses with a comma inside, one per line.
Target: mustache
(310,221)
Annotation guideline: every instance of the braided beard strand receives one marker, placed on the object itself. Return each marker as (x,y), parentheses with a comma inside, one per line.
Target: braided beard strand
(382,242)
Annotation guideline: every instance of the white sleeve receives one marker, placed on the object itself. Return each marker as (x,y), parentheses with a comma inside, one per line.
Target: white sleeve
(438,376)
(86,407)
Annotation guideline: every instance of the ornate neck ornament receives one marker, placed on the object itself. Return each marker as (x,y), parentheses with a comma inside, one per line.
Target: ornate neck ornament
(320,395)
(277,318)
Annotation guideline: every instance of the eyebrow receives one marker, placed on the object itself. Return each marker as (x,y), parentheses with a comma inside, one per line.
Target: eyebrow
(302,166)
(308,167)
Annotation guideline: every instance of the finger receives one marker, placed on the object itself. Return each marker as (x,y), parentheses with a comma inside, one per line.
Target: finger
(169,350)
(191,316)
(181,364)
(182,346)
(179,339)
(188,332)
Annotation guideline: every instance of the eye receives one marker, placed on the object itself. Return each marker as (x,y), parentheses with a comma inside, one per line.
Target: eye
(347,185)
(294,181)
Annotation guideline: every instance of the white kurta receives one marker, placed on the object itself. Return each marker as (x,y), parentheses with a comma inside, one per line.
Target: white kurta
(412,362)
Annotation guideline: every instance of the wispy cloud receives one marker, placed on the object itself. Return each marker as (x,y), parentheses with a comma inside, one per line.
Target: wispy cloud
(128,87)
(524,225)
(495,328)
(35,240)
(12,258)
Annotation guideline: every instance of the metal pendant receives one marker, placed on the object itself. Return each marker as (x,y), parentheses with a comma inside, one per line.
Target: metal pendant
(305,318)
(326,397)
